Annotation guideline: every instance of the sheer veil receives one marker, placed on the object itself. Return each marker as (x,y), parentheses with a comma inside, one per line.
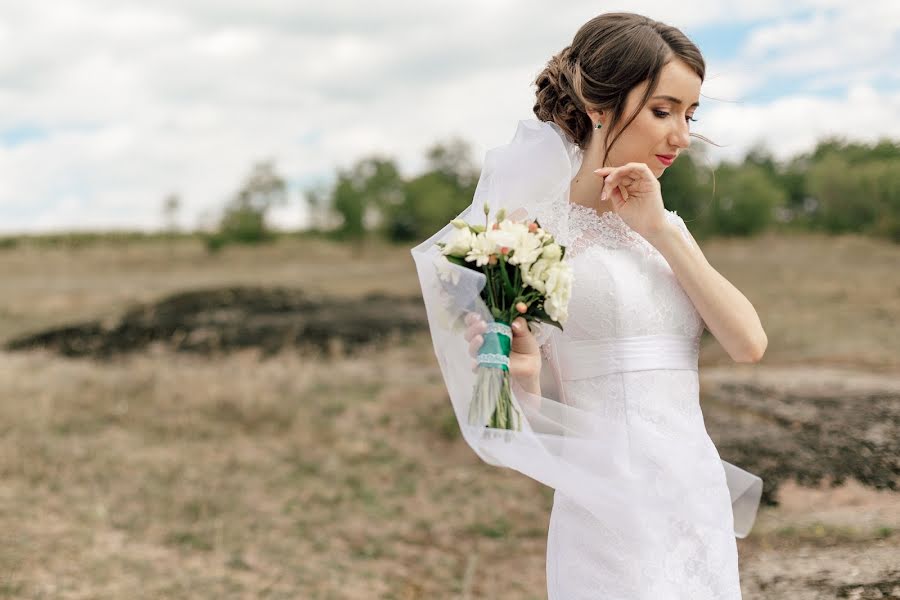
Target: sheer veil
(584,454)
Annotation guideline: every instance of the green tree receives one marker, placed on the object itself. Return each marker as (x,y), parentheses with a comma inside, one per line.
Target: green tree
(363,194)
(686,190)
(431,199)
(746,199)
(244,217)
(864,197)
(171,206)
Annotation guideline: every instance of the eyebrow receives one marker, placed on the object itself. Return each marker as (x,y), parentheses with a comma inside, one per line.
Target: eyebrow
(674,100)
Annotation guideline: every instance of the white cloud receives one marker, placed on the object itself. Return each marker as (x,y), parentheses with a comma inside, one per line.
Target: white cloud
(140,100)
(791,125)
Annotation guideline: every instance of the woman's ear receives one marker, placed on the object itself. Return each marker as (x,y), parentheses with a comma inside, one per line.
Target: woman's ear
(595,115)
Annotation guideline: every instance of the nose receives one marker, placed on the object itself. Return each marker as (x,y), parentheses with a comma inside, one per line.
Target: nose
(680,135)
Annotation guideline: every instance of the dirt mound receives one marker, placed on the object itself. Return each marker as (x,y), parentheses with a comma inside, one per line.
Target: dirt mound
(824,432)
(220,320)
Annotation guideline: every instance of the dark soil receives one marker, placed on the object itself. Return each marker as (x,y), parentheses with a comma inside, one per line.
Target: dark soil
(783,434)
(222,320)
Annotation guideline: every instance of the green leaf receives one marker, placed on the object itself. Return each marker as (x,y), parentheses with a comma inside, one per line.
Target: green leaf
(507,284)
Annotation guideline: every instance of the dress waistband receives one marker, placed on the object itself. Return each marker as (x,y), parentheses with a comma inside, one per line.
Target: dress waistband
(583,359)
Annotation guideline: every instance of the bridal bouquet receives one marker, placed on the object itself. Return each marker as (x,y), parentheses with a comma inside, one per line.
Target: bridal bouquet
(525,276)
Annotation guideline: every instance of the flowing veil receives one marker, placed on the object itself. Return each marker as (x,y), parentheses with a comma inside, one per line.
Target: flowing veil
(586,455)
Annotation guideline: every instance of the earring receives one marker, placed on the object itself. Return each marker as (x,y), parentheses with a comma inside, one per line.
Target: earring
(599,124)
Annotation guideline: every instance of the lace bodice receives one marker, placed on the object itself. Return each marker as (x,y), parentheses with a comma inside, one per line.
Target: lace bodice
(622,285)
(587,227)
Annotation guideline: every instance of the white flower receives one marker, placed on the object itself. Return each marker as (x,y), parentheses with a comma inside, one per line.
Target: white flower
(552,251)
(527,249)
(501,238)
(559,290)
(481,250)
(535,274)
(459,243)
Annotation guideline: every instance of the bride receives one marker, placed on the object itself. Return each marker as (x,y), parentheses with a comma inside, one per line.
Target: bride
(644,507)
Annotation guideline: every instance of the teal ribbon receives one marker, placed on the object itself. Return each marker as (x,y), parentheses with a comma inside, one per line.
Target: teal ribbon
(494,352)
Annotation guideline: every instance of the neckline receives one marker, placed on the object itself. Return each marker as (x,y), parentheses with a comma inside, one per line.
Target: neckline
(606,228)
(608,216)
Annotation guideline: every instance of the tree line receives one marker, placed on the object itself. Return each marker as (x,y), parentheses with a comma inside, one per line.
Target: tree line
(839,186)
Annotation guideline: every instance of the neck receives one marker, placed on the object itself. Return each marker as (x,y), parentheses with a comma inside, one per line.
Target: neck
(586,187)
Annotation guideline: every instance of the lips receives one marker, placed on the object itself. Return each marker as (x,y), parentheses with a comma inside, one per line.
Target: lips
(666,160)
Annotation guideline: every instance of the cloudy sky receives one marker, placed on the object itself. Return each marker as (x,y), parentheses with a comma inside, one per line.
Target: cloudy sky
(106,107)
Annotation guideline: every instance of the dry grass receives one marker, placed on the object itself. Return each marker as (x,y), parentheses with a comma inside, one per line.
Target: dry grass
(161,476)
(169,476)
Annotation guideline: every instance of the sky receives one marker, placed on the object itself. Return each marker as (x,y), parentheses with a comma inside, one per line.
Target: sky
(107,107)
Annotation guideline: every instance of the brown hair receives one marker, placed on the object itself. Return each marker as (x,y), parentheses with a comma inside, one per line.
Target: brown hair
(610,55)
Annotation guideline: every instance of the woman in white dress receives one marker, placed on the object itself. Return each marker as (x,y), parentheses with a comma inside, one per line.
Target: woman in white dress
(644,506)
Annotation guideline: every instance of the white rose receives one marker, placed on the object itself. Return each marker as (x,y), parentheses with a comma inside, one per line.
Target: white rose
(552,251)
(459,243)
(535,274)
(501,238)
(558,291)
(513,227)
(555,310)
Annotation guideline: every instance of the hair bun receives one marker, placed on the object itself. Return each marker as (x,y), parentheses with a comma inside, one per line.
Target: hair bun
(557,100)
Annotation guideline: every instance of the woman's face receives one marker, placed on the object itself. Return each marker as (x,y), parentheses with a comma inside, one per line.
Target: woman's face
(662,125)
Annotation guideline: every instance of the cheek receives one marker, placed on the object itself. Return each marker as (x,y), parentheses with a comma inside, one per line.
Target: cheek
(644,133)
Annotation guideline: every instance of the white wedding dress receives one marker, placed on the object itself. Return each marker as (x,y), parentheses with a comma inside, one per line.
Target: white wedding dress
(644,507)
(629,311)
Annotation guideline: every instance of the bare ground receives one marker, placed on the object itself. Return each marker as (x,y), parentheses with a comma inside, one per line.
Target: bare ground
(289,473)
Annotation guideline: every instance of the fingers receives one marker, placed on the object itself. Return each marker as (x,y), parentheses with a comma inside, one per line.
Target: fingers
(476,326)
(523,339)
(520,327)
(607,190)
(474,344)
(618,178)
(610,175)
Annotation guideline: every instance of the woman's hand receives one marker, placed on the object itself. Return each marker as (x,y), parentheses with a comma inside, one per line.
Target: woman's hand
(636,197)
(524,356)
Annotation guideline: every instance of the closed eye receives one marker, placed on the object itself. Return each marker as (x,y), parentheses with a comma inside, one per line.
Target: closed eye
(662,115)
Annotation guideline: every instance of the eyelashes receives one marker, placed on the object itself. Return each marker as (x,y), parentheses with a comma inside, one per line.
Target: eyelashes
(662,114)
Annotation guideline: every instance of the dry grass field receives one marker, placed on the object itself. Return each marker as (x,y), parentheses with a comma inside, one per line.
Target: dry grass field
(174,475)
